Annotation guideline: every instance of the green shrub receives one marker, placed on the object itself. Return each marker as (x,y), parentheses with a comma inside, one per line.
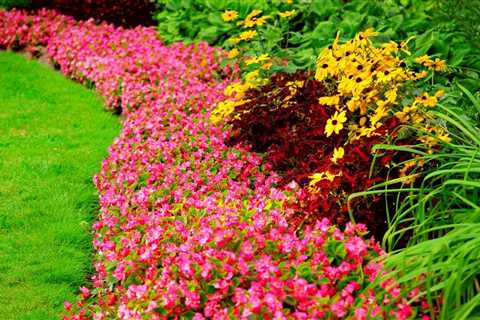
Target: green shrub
(435,228)
(14,3)
(447,29)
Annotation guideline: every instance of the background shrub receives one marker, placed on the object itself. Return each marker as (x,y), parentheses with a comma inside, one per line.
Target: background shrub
(14,3)
(441,28)
(125,13)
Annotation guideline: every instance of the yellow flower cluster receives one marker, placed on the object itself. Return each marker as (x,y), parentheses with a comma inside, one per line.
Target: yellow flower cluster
(254,19)
(236,96)
(367,85)
(437,64)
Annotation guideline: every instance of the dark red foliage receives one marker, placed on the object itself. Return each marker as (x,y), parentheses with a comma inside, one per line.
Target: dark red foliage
(126,13)
(295,145)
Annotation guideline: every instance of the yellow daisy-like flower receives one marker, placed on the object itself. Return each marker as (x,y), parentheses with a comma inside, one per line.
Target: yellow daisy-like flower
(233,53)
(234,40)
(335,124)
(317,177)
(421,75)
(250,20)
(229,15)
(338,153)
(329,101)
(287,14)
(427,100)
(379,114)
(391,95)
(267,65)
(252,76)
(370,32)
(439,65)
(324,66)
(261,21)
(247,35)
(260,59)
(423,59)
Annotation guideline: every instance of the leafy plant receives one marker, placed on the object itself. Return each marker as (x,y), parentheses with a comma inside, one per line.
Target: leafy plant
(439,218)
(7,4)
(437,30)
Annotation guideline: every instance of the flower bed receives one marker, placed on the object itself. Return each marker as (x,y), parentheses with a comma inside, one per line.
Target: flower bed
(190,227)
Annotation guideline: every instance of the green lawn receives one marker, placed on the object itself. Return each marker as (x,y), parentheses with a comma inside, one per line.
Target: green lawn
(53,137)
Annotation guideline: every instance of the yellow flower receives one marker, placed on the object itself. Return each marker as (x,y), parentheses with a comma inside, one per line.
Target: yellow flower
(293,87)
(439,93)
(250,20)
(444,137)
(324,66)
(260,59)
(407,167)
(370,32)
(261,21)
(335,124)
(338,154)
(363,121)
(329,101)
(427,100)
(421,75)
(252,76)
(439,65)
(234,40)
(247,35)
(353,104)
(356,84)
(379,114)
(267,65)
(233,53)
(391,95)
(423,59)
(406,113)
(390,47)
(287,14)
(326,175)
(229,15)
(237,89)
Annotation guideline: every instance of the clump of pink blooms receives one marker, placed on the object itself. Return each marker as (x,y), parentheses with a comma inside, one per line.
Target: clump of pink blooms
(190,228)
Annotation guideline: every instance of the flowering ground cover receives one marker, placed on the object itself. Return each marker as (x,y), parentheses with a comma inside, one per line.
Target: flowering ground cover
(53,135)
(190,227)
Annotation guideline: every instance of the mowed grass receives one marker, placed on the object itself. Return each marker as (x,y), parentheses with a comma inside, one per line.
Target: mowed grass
(54,134)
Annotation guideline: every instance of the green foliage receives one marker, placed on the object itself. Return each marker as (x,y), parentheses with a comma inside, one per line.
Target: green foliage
(446,29)
(434,229)
(53,135)
(14,3)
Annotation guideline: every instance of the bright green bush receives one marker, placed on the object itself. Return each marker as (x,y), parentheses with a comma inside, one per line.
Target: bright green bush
(441,28)
(14,3)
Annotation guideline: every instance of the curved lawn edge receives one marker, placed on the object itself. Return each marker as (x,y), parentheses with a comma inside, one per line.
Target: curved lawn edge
(53,135)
